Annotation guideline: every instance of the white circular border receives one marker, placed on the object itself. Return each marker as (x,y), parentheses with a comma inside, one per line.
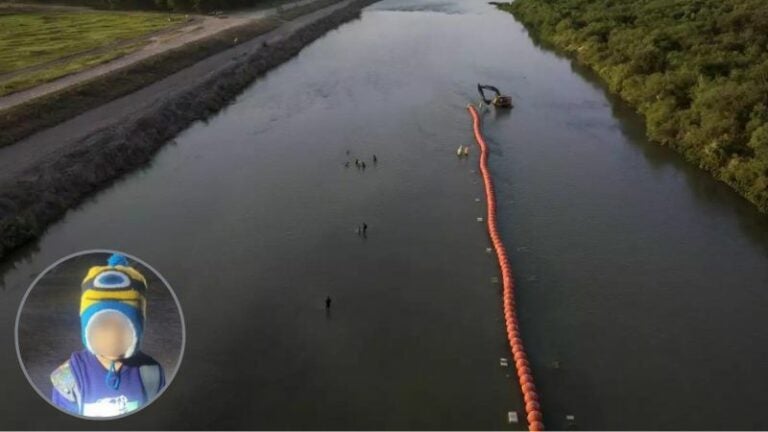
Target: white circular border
(168,381)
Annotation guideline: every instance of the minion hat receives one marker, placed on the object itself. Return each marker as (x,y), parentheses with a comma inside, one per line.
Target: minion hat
(116,287)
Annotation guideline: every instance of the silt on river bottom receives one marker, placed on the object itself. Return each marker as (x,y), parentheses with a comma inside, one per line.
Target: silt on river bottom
(641,281)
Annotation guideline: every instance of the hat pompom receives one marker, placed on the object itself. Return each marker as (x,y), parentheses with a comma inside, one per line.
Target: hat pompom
(117,259)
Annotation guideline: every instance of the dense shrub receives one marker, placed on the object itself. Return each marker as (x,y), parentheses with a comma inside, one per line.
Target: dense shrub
(696,69)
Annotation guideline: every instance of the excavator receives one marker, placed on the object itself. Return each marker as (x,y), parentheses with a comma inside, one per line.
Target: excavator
(499,101)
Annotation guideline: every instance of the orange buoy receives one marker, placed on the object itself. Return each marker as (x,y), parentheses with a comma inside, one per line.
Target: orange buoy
(522,366)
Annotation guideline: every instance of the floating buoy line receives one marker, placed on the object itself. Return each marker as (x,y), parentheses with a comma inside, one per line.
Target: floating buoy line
(522,366)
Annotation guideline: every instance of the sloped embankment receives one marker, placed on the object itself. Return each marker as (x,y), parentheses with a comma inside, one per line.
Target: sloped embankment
(41,194)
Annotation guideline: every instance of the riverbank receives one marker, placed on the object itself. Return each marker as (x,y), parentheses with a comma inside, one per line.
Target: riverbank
(697,74)
(50,172)
(74,94)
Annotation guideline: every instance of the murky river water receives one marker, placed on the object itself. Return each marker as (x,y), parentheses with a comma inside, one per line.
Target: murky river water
(642,282)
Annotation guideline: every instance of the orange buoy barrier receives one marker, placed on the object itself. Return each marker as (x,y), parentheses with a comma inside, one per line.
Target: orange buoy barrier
(523,368)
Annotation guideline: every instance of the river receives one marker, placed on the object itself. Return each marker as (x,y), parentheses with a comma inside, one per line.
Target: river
(641,280)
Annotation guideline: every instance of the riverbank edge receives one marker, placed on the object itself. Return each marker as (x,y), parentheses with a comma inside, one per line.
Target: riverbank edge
(760,205)
(44,193)
(23,120)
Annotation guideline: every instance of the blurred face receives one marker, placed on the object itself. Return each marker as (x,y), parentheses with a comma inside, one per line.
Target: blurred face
(110,335)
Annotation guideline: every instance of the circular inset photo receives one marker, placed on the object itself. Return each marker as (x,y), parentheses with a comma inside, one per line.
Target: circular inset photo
(100,334)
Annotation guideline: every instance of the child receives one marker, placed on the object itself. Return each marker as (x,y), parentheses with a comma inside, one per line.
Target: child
(111,376)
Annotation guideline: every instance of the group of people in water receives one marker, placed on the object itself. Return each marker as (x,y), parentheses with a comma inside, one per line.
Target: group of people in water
(360,164)
(362,230)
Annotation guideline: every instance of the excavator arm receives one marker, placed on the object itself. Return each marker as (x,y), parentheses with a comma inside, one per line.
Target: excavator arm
(499,100)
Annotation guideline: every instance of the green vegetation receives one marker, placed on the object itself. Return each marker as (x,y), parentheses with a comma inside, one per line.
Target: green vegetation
(31,79)
(25,119)
(30,38)
(37,46)
(697,70)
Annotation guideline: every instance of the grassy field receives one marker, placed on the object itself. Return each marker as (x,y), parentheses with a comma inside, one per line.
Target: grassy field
(22,120)
(33,78)
(41,45)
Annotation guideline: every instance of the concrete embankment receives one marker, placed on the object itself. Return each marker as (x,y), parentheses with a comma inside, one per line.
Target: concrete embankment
(52,171)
